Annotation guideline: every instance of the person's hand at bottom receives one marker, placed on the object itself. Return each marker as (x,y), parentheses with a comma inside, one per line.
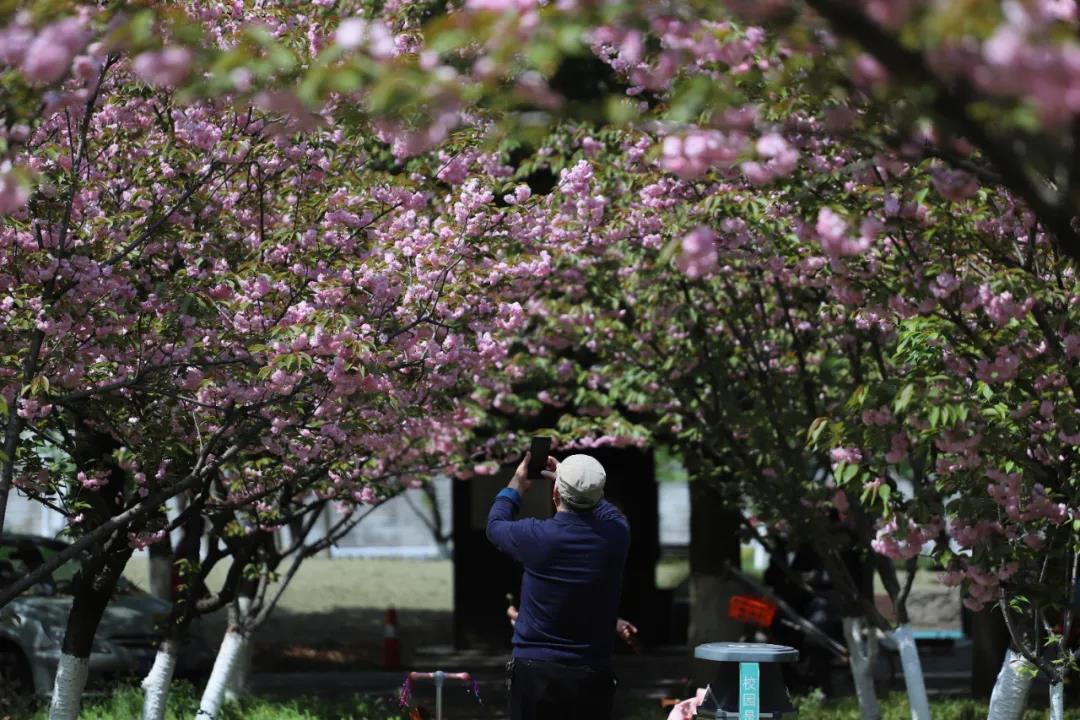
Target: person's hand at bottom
(625,630)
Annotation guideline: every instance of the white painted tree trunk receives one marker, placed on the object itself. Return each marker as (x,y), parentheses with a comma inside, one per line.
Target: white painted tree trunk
(173,507)
(238,681)
(1009,698)
(68,688)
(1057,701)
(861,653)
(913,674)
(161,576)
(156,683)
(232,646)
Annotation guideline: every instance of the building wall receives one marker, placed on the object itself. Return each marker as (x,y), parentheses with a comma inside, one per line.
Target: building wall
(33,518)
(674,514)
(400,527)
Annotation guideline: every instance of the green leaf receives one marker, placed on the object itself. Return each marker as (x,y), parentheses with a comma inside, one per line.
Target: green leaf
(904,398)
(816,429)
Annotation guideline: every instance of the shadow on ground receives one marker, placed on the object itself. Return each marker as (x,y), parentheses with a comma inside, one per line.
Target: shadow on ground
(341,638)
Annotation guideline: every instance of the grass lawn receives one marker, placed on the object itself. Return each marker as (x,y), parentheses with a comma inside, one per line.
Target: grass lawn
(323,584)
(332,614)
(126,704)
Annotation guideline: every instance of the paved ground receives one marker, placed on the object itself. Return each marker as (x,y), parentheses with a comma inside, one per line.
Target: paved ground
(330,626)
(643,680)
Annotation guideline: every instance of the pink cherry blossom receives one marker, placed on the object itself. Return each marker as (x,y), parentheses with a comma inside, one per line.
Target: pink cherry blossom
(698,255)
(167,67)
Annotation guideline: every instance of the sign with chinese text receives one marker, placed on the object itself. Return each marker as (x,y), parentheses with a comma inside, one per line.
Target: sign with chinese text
(749,691)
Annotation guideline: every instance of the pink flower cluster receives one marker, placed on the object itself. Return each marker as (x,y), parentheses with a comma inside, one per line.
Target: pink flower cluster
(955,185)
(904,545)
(882,416)
(144,539)
(983,587)
(1003,368)
(898,448)
(692,155)
(14,194)
(92,481)
(959,453)
(836,241)
(45,56)
(779,160)
(969,535)
(1027,58)
(354,33)
(848,456)
(698,256)
(1007,490)
(166,68)
(1002,307)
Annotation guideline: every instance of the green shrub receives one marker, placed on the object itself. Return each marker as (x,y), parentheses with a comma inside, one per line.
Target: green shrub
(895,707)
(125,703)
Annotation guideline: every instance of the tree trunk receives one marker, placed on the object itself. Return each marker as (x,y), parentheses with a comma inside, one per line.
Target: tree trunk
(861,654)
(161,565)
(238,679)
(156,683)
(93,588)
(989,646)
(1057,701)
(232,647)
(913,674)
(1009,698)
(68,687)
(241,674)
(95,582)
(714,541)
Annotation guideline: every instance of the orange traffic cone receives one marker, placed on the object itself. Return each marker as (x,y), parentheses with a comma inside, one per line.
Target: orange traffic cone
(391,653)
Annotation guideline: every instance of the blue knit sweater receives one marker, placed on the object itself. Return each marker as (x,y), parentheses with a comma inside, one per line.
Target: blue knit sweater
(573,579)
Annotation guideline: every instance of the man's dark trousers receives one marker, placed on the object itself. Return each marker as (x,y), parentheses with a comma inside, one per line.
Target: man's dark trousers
(544,690)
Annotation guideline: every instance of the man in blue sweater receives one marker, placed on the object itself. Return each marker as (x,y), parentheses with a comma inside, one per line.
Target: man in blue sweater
(563,637)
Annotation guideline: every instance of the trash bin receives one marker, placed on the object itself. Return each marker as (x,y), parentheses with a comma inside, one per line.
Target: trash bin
(745,681)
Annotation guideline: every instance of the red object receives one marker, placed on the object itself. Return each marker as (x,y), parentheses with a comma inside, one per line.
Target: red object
(752,610)
(391,652)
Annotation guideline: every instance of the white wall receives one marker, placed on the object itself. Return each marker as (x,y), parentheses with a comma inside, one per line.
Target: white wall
(397,527)
(29,517)
(674,514)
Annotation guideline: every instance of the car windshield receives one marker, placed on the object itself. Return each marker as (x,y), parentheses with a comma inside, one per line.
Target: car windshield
(20,557)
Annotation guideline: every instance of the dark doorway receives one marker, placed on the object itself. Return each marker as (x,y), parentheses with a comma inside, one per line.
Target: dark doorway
(483,576)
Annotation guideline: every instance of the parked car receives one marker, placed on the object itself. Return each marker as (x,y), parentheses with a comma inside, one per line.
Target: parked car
(32,626)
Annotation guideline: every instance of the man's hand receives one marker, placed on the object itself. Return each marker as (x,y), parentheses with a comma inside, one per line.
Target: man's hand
(521,481)
(512,613)
(625,630)
(552,466)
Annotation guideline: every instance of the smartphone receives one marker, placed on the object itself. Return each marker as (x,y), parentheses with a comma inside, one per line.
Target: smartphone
(538,455)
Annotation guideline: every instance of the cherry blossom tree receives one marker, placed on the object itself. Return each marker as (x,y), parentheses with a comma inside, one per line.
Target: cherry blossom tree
(208,297)
(825,248)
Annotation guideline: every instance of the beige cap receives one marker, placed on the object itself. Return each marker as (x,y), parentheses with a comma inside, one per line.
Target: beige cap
(580,479)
